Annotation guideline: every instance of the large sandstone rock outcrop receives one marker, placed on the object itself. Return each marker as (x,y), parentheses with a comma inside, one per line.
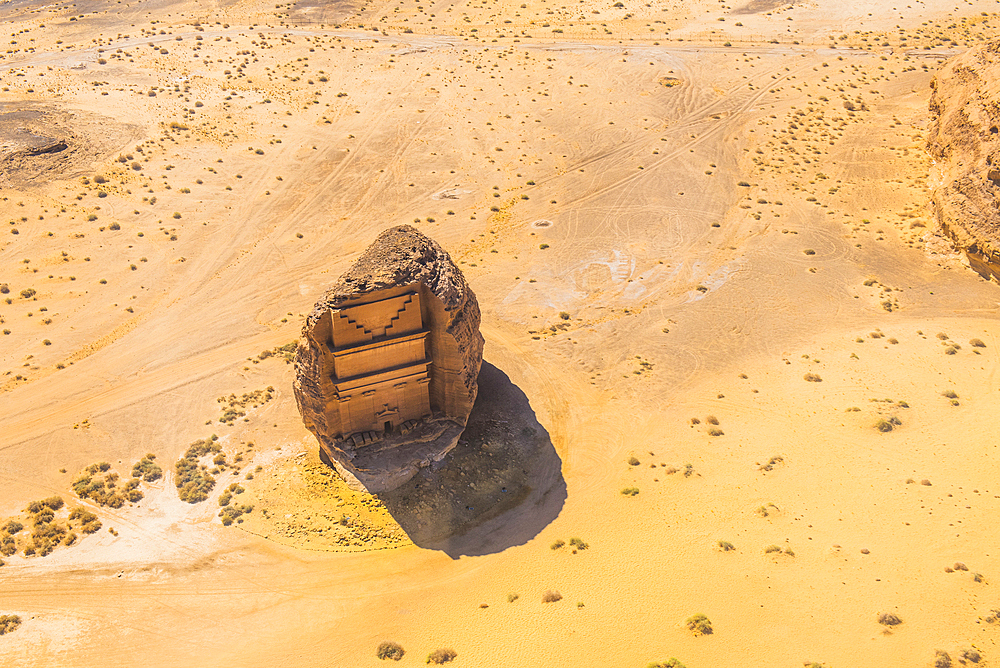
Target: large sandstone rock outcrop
(964,140)
(386,371)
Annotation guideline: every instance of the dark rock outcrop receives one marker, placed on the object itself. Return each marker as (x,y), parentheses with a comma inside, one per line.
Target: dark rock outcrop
(964,140)
(386,370)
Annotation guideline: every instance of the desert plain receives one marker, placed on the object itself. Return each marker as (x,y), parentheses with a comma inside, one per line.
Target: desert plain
(732,366)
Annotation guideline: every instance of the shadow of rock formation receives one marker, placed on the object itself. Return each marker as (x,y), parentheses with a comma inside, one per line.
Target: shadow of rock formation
(498,488)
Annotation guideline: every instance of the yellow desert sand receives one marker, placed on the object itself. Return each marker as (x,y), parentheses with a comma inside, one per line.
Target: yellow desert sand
(738,387)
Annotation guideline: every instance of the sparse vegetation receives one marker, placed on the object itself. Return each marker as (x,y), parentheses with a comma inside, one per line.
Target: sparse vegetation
(812,378)
(551,596)
(390,650)
(669,663)
(147,469)
(441,656)
(772,462)
(726,546)
(9,623)
(629,491)
(99,483)
(194,482)
(699,624)
(235,407)
(889,619)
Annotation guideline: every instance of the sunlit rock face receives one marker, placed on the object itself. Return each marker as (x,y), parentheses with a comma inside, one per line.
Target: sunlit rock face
(386,370)
(964,140)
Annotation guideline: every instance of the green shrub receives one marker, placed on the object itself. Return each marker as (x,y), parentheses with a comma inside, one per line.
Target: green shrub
(193,480)
(578,543)
(233,513)
(726,546)
(558,543)
(147,469)
(699,624)
(441,656)
(390,650)
(630,491)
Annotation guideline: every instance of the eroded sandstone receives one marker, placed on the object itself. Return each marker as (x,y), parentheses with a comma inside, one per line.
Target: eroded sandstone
(387,367)
(964,140)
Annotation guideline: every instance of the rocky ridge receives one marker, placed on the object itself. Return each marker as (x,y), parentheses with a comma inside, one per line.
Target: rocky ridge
(964,140)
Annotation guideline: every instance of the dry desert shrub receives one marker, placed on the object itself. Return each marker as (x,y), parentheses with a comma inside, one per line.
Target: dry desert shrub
(390,650)
(886,426)
(9,623)
(977,343)
(441,656)
(941,659)
(726,546)
(971,656)
(669,663)
(772,462)
(812,378)
(551,596)
(889,619)
(699,624)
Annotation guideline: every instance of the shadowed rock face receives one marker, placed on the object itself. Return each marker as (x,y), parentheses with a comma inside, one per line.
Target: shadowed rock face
(964,139)
(387,368)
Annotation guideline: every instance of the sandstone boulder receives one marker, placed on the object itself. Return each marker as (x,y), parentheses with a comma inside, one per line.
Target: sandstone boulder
(386,370)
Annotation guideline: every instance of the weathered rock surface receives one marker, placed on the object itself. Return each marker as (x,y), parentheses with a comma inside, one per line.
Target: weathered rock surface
(964,140)
(386,370)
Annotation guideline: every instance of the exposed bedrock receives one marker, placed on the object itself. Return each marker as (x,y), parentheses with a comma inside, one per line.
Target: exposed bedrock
(387,367)
(964,140)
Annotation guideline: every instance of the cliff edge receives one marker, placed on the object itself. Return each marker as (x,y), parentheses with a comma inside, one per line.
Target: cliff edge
(964,140)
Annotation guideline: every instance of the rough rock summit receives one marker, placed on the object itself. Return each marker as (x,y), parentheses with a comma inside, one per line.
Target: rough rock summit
(964,140)
(386,370)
